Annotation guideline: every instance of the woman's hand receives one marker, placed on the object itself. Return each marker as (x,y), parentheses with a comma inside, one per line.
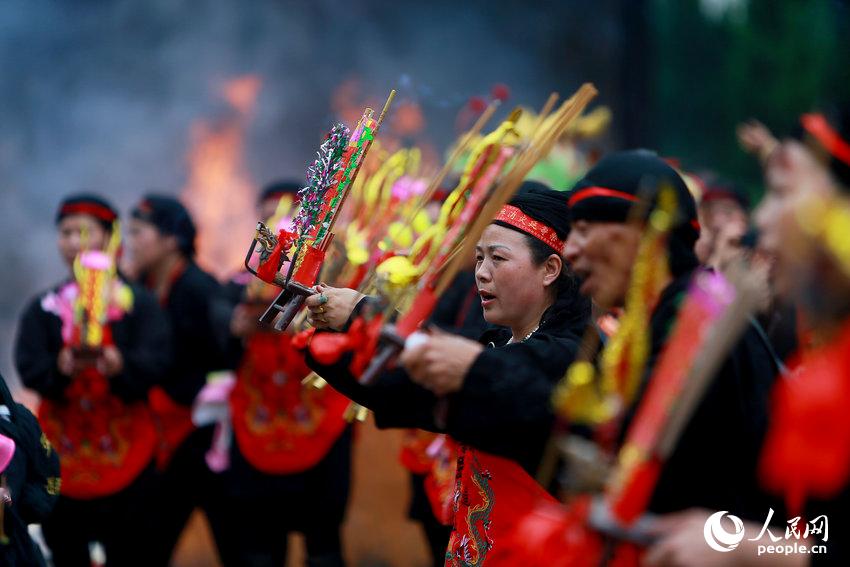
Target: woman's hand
(110,363)
(65,362)
(440,361)
(243,322)
(682,543)
(756,139)
(331,307)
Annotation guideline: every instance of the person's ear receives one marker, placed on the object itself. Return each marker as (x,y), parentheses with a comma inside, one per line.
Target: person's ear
(171,243)
(552,269)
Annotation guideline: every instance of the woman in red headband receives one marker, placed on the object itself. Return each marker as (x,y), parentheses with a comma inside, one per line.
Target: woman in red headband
(496,400)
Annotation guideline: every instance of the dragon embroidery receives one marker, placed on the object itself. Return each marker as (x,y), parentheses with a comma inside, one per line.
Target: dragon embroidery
(471,542)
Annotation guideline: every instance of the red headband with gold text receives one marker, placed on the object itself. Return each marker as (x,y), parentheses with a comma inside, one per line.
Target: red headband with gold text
(513,216)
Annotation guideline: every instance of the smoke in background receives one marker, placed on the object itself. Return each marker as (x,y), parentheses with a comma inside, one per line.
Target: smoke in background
(103,95)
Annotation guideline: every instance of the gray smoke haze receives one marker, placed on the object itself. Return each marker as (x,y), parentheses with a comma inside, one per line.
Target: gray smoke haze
(101,95)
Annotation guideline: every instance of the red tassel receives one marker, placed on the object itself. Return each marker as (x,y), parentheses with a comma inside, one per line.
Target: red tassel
(268,269)
(302,340)
(328,348)
(367,343)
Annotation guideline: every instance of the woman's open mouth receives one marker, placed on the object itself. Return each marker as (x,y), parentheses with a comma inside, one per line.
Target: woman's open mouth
(487,298)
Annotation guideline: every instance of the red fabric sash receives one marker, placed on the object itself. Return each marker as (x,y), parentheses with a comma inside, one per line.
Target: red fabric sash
(414,450)
(440,481)
(558,536)
(173,424)
(362,339)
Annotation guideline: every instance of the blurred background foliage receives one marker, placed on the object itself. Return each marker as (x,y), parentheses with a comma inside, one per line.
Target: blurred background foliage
(716,63)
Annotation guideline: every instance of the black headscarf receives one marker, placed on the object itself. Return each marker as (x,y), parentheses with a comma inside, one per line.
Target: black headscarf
(726,189)
(170,217)
(613,186)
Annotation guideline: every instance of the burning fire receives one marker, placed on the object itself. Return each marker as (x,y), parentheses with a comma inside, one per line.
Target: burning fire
(219,192)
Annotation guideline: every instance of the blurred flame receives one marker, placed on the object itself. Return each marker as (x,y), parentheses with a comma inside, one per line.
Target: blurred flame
(406,122)
(219,192)
(348,100)
(242,93)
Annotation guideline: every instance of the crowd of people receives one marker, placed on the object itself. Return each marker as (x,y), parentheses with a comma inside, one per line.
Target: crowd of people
(160,393)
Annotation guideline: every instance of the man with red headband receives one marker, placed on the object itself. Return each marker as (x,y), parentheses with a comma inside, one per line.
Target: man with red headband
(92,347)
(602,248)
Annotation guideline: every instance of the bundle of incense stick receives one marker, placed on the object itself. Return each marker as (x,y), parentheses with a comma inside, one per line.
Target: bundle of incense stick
(663,415)
(544,112)
(309,257)
(381,208)
(369,204)
(720,341)
(463,144)
(383,114)
(589,348)
(476,187)
(355,411)
(539,145)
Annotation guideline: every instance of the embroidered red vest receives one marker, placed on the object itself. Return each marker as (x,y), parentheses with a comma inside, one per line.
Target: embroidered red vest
(280,425)
(103,443)
(491,494)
